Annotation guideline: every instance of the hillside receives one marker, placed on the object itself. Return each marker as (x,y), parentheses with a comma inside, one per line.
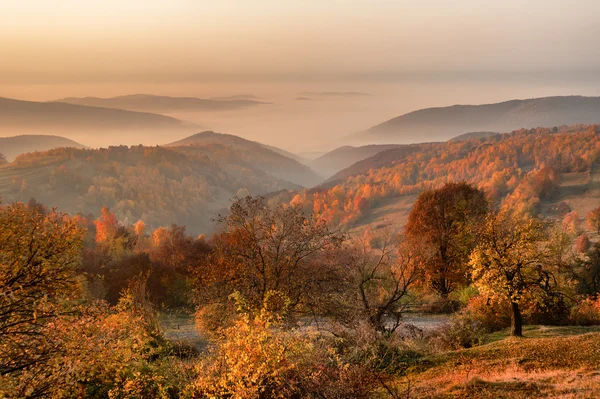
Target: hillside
(78,121)
(158,185)
(153,103)
(552,362)
(13,146)
(533,170)
(379,160)
(234,149)
(473,135)
(341,158)
(443,123)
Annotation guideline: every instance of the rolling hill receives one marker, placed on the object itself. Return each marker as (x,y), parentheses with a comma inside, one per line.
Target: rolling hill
(153,103)
(443,123)
(341,158)
(156,184)
(541,171)
(30,117)
(13,146)
(220,147)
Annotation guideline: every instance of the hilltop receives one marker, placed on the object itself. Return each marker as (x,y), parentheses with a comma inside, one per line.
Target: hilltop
(443,123)
(271,160)
(81,121)
(156,184)
(13,146)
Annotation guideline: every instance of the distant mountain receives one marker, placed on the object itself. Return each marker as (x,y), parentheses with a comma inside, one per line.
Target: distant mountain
(341,158)
(308,156)
(335,93)
(474,135)
(32,117)
(441,124)
(235,97)
(269,159)
(152,103)
(13,146)
(156,184)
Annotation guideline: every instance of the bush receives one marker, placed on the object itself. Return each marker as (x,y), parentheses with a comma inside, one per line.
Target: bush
(545,308)
(462,331)
(465,294)
(433,303)
(492,313)
(258,358)
(586,312)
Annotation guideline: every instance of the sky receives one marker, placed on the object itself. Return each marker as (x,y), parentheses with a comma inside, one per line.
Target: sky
(48,41)
(408,54)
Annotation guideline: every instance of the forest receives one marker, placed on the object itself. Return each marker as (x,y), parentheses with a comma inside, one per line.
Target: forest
(291,305)
(159,185)
(515,169)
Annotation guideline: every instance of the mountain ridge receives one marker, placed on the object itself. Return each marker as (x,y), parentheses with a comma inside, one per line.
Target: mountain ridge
(158,103)
(269,159)
(443,123)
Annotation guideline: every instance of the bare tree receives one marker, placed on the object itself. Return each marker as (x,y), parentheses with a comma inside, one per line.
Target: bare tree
(381,271)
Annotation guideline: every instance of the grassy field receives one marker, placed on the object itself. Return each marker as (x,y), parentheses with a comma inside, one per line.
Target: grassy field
(391,212)
(550,362)
(181,328)
(581,191)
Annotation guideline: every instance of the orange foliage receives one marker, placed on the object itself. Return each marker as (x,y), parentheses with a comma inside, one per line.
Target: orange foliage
(518,168)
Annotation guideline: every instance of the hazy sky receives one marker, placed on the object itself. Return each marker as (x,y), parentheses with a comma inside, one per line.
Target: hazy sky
(408,54)
(49,41)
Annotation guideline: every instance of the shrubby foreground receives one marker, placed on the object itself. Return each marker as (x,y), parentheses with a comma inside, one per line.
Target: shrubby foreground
(290,306)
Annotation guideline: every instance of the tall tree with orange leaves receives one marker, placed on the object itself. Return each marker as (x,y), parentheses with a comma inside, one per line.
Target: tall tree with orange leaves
(444,221)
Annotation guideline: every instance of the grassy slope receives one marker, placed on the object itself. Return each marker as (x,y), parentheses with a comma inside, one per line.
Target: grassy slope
(581,191)
(551,362)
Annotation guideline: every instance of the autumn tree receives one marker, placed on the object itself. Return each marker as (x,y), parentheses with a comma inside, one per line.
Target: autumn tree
(174,255)
(112,236)
(508,261)
(443,221)
(262,250)
(593,220)
(2,159)
(38,258)
(583,243)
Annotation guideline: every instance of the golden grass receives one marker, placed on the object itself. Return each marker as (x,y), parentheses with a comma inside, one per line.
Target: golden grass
(548,367)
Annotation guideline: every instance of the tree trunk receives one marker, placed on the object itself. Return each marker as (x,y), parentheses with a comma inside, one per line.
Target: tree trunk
(516,321)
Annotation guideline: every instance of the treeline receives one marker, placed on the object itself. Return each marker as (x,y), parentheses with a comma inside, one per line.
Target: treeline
(291,306)
(516,169)
(157,185)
